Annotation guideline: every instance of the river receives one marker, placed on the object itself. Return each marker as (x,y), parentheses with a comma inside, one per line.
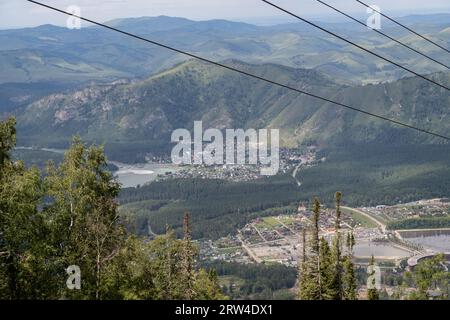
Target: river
(436,240)
(139,174)
(378,250)
(129,176)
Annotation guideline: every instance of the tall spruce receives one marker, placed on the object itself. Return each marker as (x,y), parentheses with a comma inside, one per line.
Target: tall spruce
(349,277)
(166,264)
(303,246)
(326,271)
(311,282)
(24,273)
(336,289)
(187,259)
(302,269)
(323,271)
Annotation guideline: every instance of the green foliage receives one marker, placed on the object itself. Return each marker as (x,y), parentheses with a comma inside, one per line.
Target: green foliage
(324,274)
(370,174)
(420,223)
(254,281)
(37,158)
(328,272)
(7,139)
(360,219)
(134,118)
(349,279)
(373,174)
(335,263)
(71,218)
(22,231)
(155,270)
(431,279)
(207,287)
(130,275)
(226,205)
(311,286)
(82,213)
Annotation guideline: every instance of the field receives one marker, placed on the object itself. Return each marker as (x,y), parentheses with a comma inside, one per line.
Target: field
(360,219)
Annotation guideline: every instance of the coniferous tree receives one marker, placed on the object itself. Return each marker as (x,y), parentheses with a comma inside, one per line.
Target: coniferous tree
(349,277)
(311,284)
(327,271)
(23,270)
(187,259)
(7,141)
(336,286)
(304,246)
(131,276)
(303,269)
(166,265)
(206,286)
(323,272)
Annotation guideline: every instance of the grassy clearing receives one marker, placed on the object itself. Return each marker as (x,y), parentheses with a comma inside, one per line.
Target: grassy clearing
(360,219)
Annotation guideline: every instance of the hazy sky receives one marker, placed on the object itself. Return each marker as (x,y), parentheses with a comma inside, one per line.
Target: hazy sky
(20,13)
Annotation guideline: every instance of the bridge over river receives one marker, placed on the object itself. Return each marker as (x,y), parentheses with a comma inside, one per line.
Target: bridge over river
(413,261)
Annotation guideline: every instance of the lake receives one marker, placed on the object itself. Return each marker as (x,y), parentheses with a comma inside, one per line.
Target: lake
(436,240)
(131,176)
(367,249)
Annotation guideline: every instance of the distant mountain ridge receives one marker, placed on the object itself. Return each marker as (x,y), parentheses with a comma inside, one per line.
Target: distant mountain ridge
(74,58)
(150,109)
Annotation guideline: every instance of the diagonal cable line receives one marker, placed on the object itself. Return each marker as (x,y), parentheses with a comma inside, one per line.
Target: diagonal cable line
(405,27)
(356,45)
(384,34)
(244,72)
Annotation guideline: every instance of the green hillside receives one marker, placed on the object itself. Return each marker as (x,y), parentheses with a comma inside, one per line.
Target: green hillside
(144,113)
